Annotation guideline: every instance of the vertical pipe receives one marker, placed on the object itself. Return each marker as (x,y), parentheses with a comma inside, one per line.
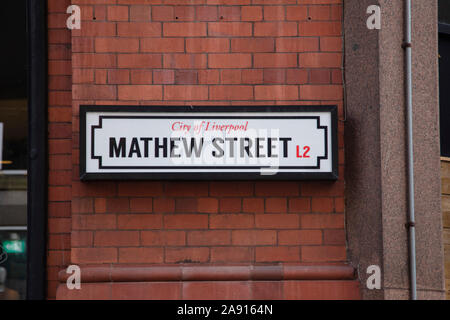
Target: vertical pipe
(409,111)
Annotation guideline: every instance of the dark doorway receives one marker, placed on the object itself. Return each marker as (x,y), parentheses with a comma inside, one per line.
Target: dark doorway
(444,75)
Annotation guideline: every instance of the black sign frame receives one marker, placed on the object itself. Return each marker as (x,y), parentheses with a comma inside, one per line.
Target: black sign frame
(190,111)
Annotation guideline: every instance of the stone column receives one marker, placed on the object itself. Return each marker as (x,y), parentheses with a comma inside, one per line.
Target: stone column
(376,156)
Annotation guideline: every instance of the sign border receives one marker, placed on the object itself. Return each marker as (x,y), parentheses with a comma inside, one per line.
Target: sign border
(333,175)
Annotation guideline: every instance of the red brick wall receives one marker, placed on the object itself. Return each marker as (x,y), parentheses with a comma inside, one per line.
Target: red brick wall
(215,52)
(60,141)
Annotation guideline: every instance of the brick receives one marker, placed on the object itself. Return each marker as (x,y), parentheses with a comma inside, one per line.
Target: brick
(322,221)
(82,205)
(229,29)
(59,209)
(321,92)
(186,77)
(276,188)
(208,205)
(91,60)
(253,205)
(185,61)
(276,205)
(208,76)
(231,92)
(163,205)
(254,237)
(297,13)
(93,222)
(323,205)
(319,76)
(208,238)
(140,92)
(100,205)
(320,60)
(185,205)
(231,221)
(184,13)
(206,13)
(118,76)
(230,205)
(141,255)
(59,193)
(186,92)
(275,12)
(275,29)
(83,76)
(186,255)
(81,238)
(163,76)
(274,76)
(162,13)
(276,92)
(277,254)
(299,237)
(95,29)
(59,68)
(230,76)
(184,29)
(94,255)
(275,60)
(334,237)
(116,45)
(140,13)
(276,221)
(59,225)
(116,238)
(251,13)
(232,254)
(252,45)
(140,188)
(319,12)
(163,238)
(139,29)
(300,205)
(186,189)
(323,189)
(202,45)
(186,221)
(101,76)
(331,44)
(339,205)
(230,13)
(139,61)
(141,205)
(58,241)
(312,28)
(252,76)
(139,221)
(229,60)
(297,44)
(162,45)
(323,253)
(117,13)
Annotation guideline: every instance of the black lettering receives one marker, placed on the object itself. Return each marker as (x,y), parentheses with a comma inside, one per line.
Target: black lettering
(162,146)
(220,152)
(285,146)
(117,150)
(258,148)
(146,145)
(173,147)
(193,147)
(134,148)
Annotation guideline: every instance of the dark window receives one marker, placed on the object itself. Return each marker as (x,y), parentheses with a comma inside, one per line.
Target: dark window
(444,75)
(13,150)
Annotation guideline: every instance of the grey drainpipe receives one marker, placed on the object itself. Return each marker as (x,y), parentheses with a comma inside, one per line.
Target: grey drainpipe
(409,111)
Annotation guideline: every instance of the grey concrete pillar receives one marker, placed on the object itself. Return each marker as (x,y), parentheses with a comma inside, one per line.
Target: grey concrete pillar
(375,145)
